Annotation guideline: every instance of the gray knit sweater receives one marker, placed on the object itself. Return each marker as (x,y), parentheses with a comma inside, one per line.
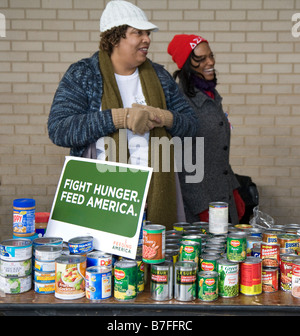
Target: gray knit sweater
(76,121)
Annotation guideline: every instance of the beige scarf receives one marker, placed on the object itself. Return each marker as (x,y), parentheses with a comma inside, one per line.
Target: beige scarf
(161,201)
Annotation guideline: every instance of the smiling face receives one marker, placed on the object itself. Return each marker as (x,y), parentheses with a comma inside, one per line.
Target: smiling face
(204,61)
(131,51)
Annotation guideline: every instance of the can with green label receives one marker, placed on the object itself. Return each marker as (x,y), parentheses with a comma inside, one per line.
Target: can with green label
(208,286)
(189,251)
(237,246)
(228,278)
(125,280)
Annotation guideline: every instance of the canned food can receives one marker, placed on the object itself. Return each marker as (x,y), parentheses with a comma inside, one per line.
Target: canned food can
(172,255)
(47,241)
(296,278)
(202,226)
(208,286)
(269,279)
(16,249)
(98,282)
(237,246)
(99,258)
(251,276)
(288,241)
(270,254)
(255,252)
(218,217)
(16,285)
(47,252)
(286,271)
(24,217)
(208,262)
(270,235)
(256,232)
(70,277)
(228,278)
(189,251)
(161,281)
(197,238)
(44,288)
(252,242)
(185,281)
(44,277)
(79,245)
(125,280)
(154,243)
(16,268)
(181,226)
(44,266)
(243,227)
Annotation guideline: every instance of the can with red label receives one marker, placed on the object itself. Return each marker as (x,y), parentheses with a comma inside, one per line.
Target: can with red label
(251,276)
(286,270)
(296,278)
(269,279)
(270,254)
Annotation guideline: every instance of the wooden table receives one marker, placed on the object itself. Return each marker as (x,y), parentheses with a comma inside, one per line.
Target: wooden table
(31,303)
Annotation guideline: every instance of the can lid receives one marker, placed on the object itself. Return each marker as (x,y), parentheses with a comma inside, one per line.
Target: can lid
(24,202)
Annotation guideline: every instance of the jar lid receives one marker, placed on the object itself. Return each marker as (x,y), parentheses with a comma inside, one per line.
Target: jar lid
(24,203)
(42,217)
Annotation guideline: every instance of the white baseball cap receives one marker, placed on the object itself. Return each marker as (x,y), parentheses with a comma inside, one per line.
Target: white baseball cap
(120,12)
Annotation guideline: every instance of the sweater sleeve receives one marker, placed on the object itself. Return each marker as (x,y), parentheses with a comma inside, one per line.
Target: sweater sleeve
(185,122)
(75,119)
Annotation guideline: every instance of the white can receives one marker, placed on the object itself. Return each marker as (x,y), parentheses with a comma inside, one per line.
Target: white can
(16,268)
(218,217)
(47,252)
(16,285)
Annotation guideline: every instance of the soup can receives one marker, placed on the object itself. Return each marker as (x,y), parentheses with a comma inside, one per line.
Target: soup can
(185,280)
(218,217)
(228,278)
(125,280)
(237,246)
(296,278)
(154,243)
(161,281)
(79,245)
(16,249)
(270,254)
(286,271)
(98,282)
(208,286)
(251,276)
(70,277)
(269,279)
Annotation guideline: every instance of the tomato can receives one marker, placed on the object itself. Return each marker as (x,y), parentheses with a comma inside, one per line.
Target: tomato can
(286,271)
(98,282)
(208,286)
(70,277)
(269,279)
(125,280)
(154,243)
(270,254)
(296,278)
(237,246)
(189,251)
(185,281)
(161,281)
(251,276)
(288,241)
(228,278)
(218,217)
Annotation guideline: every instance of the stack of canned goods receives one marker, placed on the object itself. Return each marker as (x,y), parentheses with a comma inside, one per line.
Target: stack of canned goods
(16,266)
(45,251)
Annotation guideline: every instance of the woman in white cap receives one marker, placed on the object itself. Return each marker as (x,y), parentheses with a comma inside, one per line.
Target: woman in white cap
(118,89)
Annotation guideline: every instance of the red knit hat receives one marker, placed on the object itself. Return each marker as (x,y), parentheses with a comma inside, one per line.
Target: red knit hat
(181,46)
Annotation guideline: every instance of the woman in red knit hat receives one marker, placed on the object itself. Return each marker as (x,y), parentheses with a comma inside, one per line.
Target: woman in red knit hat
(197,79)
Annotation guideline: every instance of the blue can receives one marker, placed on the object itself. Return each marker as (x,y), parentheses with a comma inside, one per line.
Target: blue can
(79,245)
(98,282)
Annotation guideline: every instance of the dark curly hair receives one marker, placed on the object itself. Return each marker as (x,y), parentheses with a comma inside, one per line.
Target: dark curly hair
(111,38)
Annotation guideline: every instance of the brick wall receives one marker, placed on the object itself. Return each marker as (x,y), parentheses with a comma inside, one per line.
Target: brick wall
(258,67)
